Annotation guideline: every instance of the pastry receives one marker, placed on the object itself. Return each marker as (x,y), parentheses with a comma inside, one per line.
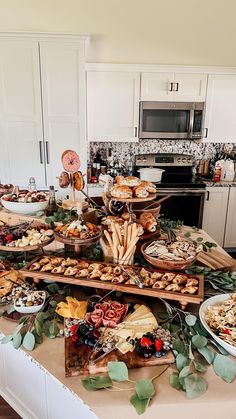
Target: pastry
(106,277)
(173,287)
(144,273)
(117,270)
(149,186)
(140,229)
(119,179)
(69,262)
(156,276)
(191,281)
(119,279)
(95,267)
(56,261)
(140,192)
(131,181)
(148,221)
(44,261)
(5,287)
(148,282)
(121,191)
(78,181)
(169,276)
(189,290)
(82,265)
(35,266)
(71,271)
(47,268)
(161,285)
(180,279)
(109,219)
(64,180)
(96,274)
(58,270)
(83,273)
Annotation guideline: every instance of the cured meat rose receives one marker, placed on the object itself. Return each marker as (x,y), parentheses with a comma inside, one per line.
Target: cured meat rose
(102,306)
(119,308)
(95,317)
(108,313)
(111,318)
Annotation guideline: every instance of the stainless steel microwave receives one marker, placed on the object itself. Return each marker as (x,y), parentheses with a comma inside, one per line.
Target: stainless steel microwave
(183,120)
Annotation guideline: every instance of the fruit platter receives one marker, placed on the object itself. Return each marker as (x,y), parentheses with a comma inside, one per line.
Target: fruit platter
(109,330)
(24,237)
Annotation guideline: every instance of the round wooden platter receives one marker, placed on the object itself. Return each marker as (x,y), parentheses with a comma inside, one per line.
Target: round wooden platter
(26,248)
(74,242)
(150,197)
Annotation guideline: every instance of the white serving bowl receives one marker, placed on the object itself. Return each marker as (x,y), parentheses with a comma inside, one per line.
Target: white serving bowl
(151,174)
(31,309)
(213,301)
(24,207)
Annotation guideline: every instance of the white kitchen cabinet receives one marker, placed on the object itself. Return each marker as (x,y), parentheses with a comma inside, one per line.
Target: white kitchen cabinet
(112,105)
(21,131)
(230,229)
(42,107)
(215,212)
(177,87)
(220,118)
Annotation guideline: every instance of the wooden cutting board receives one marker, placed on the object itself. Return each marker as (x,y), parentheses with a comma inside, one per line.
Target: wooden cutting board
(77,360)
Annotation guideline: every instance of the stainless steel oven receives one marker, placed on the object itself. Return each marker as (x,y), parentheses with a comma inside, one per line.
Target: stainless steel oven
(171,120)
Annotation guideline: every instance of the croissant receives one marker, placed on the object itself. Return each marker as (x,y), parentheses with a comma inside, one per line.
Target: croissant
(180,279)
(191,281)
(173,287)
(148,221)
(161,285)
(189,290)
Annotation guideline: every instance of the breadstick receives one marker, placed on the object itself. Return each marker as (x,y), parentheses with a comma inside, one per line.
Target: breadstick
(118,232)
(130,248)
(115,246)
(109,239)
(125,235)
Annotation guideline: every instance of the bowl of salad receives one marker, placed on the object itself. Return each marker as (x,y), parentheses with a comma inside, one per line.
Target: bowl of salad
(218,316)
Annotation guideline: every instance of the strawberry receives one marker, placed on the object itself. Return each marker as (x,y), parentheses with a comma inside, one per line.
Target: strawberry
(145,342)
(158,344)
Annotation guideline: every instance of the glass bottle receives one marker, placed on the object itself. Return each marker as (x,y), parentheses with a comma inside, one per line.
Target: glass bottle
(32,185)
(52,205)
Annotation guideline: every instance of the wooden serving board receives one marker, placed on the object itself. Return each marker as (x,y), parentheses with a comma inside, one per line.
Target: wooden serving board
(73,241)
(183,299)
(150,197)
(77,360)
(26,248)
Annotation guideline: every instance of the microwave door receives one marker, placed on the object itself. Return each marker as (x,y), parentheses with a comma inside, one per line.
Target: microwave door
(165,123)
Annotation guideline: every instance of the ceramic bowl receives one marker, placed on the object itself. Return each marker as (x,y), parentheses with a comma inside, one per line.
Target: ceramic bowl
(31,309)
(213,301)
(25,208)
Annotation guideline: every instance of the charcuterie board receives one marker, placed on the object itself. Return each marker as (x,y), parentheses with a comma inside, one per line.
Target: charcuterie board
(183,299)
(78,360)
(26,248)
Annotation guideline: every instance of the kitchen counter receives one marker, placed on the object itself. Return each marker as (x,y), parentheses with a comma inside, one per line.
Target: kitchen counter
(223,183)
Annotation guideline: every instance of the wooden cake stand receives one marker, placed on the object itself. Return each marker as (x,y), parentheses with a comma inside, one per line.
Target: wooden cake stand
(75,245)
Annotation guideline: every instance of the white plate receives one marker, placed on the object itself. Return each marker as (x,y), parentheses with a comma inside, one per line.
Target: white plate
(213,301)
(31,309)
(25,208)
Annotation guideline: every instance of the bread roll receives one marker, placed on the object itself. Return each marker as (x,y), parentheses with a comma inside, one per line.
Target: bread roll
(121,191)
(131,181)
(78,180)
(149,186)
(64,180)
(140,192)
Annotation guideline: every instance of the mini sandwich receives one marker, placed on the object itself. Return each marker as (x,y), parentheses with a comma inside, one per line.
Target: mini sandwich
(121,191)
(130,181)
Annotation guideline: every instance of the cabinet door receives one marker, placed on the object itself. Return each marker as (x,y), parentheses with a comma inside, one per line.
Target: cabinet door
(214,215)
(63,91)
(230,230)
(21,132)
(112,105)
(220,119)
(157,86)
(190,87)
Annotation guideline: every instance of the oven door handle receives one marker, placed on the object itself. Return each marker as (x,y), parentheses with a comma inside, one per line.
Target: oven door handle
(178,191)
(191,122)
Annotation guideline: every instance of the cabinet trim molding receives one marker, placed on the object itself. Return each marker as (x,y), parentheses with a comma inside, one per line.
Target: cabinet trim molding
(43,35)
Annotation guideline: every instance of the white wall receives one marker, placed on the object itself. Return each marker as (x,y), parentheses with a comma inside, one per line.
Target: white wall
(195,32)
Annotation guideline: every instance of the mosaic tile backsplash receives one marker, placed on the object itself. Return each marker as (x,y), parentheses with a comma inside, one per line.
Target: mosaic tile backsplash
(125,152)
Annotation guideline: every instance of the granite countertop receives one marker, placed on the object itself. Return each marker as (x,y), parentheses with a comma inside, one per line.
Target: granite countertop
(223,183)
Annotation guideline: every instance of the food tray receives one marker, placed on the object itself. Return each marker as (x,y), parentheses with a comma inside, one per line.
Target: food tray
(183,299)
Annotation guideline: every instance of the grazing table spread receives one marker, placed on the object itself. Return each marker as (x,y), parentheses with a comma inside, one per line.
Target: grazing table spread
(118,331)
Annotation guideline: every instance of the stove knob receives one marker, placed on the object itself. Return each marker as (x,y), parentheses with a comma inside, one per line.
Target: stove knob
(179,160)
(144,160)
(183,159)
(189,160)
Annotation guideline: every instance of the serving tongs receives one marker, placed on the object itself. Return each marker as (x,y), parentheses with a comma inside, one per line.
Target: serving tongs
(171,236)
(136,279)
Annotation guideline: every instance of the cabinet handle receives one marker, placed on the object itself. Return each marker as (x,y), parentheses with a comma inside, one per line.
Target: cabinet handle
(171,87)
(208,196)
(206,133)
(47,153)
(177,87)
(135,131)
(40,152)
